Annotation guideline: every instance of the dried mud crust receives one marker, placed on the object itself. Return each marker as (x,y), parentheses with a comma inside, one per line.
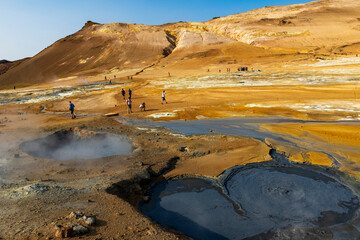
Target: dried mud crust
(38,193)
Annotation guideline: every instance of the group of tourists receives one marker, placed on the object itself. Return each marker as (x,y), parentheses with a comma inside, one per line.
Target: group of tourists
(128,103)
(142,105)
(108,79)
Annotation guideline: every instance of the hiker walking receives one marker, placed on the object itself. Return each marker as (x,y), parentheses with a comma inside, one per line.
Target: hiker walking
(129,93)
(72,109)
(128,103)
(123,93)
(163,97)
(142,107)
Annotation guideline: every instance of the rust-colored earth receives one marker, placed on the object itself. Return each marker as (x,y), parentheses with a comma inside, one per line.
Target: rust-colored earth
(302,64)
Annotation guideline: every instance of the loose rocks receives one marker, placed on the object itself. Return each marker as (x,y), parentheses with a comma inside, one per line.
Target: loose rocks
(64,232)
(75,227)
(79,229)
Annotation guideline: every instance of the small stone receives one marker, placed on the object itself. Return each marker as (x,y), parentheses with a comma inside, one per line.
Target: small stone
(59,233)
(16,155)
(76,215)
(79,230)
(64,232)
(90,221)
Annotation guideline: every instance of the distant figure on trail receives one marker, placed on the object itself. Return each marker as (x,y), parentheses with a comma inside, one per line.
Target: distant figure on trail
(123,93)
(128,77)
(163,97)
(109,80)
(142,107)
(169,74)
(105,78)
(72,109)
(219,70)
(131,77)
(128,103)
(14,87)
(129,93)
(114,76)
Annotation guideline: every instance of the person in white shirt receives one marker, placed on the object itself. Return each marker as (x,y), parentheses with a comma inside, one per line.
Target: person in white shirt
(163,97)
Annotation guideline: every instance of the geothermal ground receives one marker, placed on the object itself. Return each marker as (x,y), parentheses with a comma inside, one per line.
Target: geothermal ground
(297,129)
(268,153)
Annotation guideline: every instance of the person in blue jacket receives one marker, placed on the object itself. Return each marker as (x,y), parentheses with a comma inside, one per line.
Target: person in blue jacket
(72,109)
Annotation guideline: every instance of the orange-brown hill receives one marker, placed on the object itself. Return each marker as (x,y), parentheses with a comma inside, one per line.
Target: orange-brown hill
(93,49)
(266,37)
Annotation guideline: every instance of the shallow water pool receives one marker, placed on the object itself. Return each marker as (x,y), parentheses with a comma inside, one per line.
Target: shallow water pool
(250,202)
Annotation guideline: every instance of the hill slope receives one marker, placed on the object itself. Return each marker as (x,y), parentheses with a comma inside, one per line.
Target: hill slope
(263,36)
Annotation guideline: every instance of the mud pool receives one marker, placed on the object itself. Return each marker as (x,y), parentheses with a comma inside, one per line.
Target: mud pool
(67,145)
(250,202)
(256,201)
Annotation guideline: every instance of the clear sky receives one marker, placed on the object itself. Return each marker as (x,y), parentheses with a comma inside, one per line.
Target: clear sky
(29,26)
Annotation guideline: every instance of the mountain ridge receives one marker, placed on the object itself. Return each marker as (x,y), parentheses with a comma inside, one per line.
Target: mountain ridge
(319,28)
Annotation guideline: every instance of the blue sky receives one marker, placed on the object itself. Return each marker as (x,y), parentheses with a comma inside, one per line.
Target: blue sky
(29,26)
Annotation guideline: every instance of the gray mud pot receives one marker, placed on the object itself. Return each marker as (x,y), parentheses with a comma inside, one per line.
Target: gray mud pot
(251,202)
(67,145)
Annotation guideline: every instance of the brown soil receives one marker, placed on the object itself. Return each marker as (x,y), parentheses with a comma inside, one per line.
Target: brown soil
(82,185)
(278,40)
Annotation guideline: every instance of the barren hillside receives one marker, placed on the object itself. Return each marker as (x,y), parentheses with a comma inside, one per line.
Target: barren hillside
(266,37)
